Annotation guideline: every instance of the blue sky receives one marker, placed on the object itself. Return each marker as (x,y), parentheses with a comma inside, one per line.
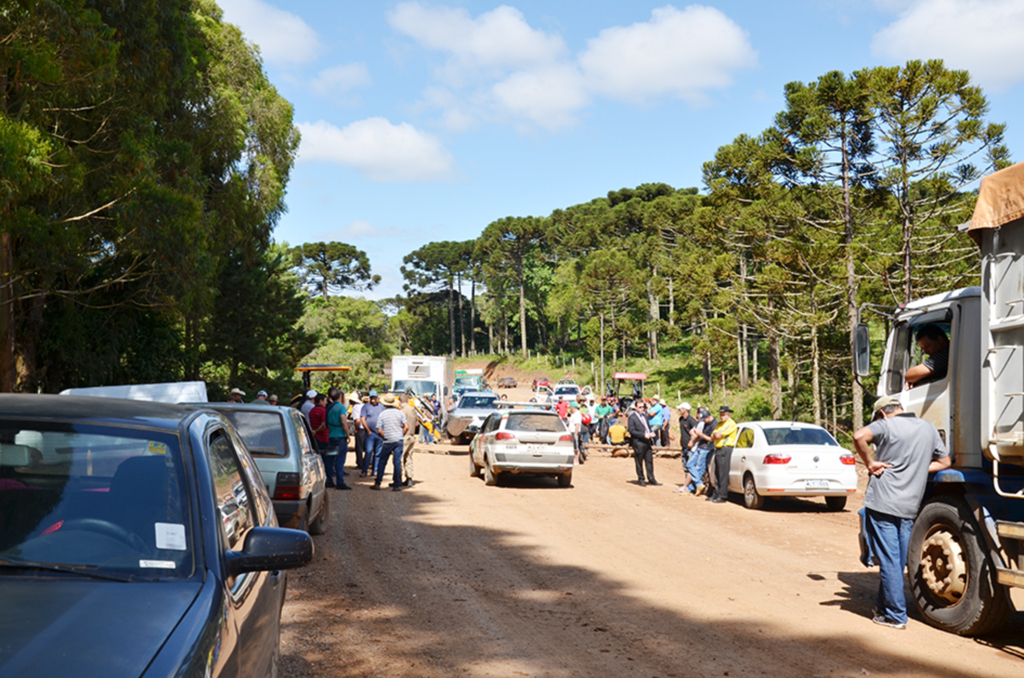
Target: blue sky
(426,121)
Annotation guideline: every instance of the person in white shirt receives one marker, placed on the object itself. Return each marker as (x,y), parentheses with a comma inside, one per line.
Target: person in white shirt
(575,425)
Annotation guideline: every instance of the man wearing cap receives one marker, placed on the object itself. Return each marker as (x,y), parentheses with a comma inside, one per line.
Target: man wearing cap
(308,403)
(603,412)
(656,417)
(562,407)
(725,439)
(907,449)
(368,416)
(640,436)
(261,399)
(272,399)
(235,396)
(391,426)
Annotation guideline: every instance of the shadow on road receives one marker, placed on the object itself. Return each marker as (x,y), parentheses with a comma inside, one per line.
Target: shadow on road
(444,600)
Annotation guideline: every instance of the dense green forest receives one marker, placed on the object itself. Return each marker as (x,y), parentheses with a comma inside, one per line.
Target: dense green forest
(144,158)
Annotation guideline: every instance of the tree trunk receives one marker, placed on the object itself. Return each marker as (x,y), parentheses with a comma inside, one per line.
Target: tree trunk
(522,308)
(472,315)
(775,374)
(671,305)
(654,315)
(857,392)
(451,317)
(816,375)
(7,333)
(462,327)
(756,342)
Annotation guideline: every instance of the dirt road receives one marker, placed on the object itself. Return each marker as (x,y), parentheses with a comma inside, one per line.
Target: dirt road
(602,579)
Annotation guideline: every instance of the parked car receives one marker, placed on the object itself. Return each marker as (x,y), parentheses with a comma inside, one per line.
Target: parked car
(507,382)
(568,392)
(541,381)
(790,459)
(522,442)
(114,553)
(281,443)
(468,416)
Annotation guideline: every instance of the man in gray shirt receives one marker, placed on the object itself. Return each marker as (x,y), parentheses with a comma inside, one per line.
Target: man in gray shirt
(907,450)
(392,427)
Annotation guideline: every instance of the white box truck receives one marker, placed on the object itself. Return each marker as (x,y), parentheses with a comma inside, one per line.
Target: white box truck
(967,547)
(424,375)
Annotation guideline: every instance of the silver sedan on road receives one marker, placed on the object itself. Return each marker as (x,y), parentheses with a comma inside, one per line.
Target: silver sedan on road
(522,442)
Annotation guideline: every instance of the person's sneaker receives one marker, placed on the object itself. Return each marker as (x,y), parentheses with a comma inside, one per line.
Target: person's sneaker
(885,621)
(375,486)
(343,487)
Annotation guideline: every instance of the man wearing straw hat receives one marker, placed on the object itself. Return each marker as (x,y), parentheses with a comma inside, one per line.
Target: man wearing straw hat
(392,427)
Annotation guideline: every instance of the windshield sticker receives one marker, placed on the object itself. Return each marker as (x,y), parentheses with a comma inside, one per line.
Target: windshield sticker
(170,536)
(159,564)
(157,448)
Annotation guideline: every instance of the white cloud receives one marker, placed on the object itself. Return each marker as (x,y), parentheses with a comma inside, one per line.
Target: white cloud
(981,36)
(282,36)
(548,97)
(378,149)
(496,67)
(677,53)
(500,38)
(338,80)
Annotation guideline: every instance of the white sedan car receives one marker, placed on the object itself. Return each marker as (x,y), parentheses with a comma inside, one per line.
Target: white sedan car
(790,459)
(522,441)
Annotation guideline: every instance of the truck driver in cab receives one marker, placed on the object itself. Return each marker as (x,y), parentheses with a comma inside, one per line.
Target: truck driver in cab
(934,344)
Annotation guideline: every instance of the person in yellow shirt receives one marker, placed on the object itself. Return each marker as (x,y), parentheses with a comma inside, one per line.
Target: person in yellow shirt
(725,439)
(617,433)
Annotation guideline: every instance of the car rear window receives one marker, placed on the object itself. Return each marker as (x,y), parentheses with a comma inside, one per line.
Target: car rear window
(534,421)
(263,432)
(481,402)
(799,436)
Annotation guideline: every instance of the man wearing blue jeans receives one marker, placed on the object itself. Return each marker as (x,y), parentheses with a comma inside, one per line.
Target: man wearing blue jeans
(704,448)
(368,416)
(907,449)
(392,427)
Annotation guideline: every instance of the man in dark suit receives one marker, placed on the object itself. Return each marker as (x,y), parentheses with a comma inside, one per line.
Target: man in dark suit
(640,436)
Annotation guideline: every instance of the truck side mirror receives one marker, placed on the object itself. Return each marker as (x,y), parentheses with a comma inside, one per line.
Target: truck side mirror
(861,350)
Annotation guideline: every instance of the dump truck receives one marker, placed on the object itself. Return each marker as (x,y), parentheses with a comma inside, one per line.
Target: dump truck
(966,548)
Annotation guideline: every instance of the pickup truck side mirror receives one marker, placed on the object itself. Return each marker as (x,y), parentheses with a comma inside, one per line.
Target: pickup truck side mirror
(861,350)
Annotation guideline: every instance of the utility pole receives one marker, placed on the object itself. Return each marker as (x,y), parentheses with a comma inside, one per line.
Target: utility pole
(601,389)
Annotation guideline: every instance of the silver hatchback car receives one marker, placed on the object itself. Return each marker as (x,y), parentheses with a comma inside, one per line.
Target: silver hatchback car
(281,444)
(522,442)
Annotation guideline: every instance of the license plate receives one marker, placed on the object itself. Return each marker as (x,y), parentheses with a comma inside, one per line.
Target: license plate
(538,449)
(815,484)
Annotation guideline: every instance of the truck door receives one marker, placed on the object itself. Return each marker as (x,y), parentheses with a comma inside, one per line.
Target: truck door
(929,399)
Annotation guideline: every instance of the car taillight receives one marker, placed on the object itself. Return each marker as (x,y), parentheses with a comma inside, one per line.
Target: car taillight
(566,438)
(776,459)
(504,435)
(287,486)
(847,459)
